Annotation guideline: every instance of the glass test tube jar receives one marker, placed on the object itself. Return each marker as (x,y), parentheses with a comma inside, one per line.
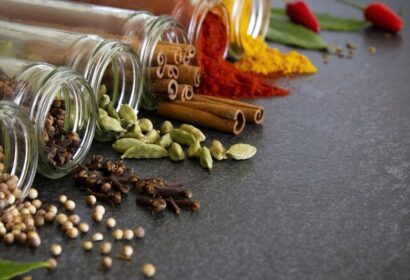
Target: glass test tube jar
(61,107)
(100,61)
(249,17)
(18,146)
(142,30)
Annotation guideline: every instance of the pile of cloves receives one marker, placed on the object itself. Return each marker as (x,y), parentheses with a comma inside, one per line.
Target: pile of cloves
(159,195)
(61,145)
(111,181)
(107,180)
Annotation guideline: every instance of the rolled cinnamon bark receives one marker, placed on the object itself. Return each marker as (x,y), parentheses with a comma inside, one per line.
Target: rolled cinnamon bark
(174,57)
(189,74)
(253,113)
(197,117)
(159,59)
(189,53)
(171,72)
(156,72)
(185,92)
(167,87)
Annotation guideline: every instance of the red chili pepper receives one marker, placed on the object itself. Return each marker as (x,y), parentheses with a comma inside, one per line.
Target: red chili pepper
(299,12)
(380,16)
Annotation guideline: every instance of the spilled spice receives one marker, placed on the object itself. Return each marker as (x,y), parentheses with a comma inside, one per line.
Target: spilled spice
(222,78)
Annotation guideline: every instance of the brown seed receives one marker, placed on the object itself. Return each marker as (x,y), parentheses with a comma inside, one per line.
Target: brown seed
(106,187)
(91,200)
(56,250)
(105,248)
(148,270)
(21,238)
(139,232)
(69,205)
(38,221)
(33,239)
(52,263)
(107,262)
(87,245)
(72,233)
(84,227)
(8,238)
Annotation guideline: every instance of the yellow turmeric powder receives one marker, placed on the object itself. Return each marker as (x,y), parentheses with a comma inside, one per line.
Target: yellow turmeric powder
(258,57)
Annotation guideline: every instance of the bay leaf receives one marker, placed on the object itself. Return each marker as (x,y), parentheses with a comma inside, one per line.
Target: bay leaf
(10,269)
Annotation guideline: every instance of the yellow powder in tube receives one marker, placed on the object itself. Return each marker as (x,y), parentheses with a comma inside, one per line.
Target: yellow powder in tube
(260,58)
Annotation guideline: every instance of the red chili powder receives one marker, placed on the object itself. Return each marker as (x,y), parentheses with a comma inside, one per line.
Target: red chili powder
(221,78)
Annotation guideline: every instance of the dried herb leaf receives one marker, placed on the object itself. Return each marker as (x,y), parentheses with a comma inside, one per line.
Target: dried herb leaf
(241,151)
(10,269)
(283,31)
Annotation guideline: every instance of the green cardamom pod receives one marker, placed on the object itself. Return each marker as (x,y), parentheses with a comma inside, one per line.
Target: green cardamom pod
(102,90)
(128,114)
(112,112)
(146,125)
(166,127)
(176,153)
(194,131)
(111,125)
(102,113)
(205,158)
(218,151)
(104,101)
(153,136)
(194,149)
(145,151)
(123,144)
(241,151)
(182,137)
(165,141)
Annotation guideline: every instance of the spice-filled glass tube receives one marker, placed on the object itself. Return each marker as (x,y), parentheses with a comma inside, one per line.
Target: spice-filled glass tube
(159,41)
(18,148)
(250,17)
(61,107)
(101,62)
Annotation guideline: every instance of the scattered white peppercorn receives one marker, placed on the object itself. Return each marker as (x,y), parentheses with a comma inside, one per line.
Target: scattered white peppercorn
(126,252)
(84,227)
(105,248)
(67,225)
(32,193)
(100,209)
(118,234)
(139,232)
(61,218)
(62,199)
(97,216)
(75,219)
(69,205)
(107,262)
(33,239)
(91,200)
(72,233)
(128,234)
(52,209)
(36,203)
(97,237)
(148,270)
(110,222)
(87,245)
(56,250)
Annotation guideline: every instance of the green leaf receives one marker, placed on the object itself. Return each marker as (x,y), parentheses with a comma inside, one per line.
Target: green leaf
(330,22)
(10,269)
(283,31)
(334,23)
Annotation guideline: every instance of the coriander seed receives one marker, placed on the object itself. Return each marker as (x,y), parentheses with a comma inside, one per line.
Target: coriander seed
(56,250)
(97,237)
(100,209)
(67,225)
(36,203)
(84,227)
(105,248)
(33,239)
(62,199)
(148,270)
(110,222)
(139,232)
(49,217)
(87,245)
(118,234)
(33,194)
(72,233)
(107,262)
(127,251)
(91,200)
(8,238)
(128,234)
(69,205)
(61,218)
(97,217)
(52,263)
(75,219)
(52,209)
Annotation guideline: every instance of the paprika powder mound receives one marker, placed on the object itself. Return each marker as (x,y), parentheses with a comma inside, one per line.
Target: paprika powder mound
(222,78)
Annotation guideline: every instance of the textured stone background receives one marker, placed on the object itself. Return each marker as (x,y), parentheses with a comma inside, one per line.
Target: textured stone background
(326,197)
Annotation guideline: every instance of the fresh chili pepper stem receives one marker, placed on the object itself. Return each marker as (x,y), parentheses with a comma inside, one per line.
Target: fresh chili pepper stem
(353,4)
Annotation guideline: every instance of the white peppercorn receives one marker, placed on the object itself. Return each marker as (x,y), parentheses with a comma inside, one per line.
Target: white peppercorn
(56,250)
(84,227)
(128,234)
(69,205)
(105,248)
(148,270)
(87,245)
(118,234)
(110,222)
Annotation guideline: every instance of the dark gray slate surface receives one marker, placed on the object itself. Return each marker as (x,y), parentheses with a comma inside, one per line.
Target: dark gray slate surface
(326,197)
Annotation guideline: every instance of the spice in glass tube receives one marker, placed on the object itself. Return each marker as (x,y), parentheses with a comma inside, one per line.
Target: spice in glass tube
(222,78)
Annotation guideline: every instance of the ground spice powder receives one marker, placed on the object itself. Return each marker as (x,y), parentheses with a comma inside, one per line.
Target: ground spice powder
(222,78)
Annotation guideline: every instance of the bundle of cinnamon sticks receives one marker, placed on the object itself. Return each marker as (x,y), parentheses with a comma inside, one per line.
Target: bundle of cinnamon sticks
(171,76)
(226,115)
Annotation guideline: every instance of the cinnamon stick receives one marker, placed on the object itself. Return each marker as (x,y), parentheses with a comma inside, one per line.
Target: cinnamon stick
(189,74)
(159,59)
(253,113)
(185,92)
(168,87)
(156,72)
(185,113)
(171,72)
(222,110)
